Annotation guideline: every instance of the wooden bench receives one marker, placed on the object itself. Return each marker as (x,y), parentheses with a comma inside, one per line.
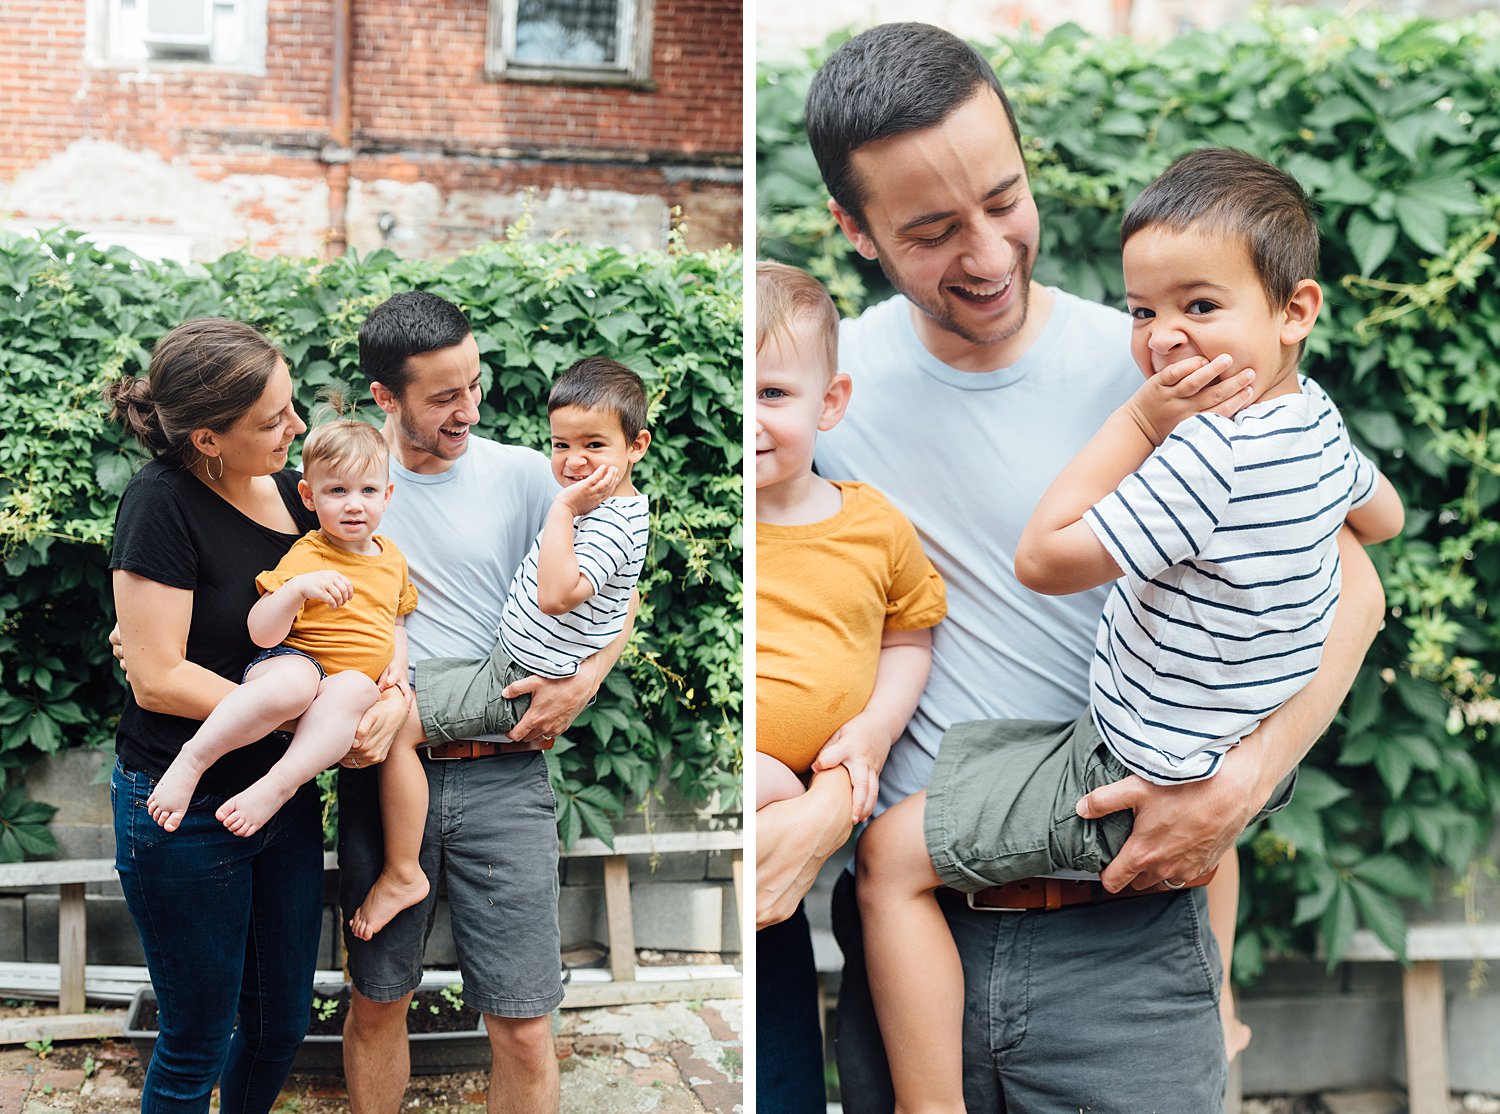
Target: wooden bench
(71,875)
(1423,1000)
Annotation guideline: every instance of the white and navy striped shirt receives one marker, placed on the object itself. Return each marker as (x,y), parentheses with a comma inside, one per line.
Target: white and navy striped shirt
(1227,537)
(610,543)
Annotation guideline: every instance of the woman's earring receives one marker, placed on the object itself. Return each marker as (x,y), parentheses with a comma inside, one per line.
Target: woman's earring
(208,468)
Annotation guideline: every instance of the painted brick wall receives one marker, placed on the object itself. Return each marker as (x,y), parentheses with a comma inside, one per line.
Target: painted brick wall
(219,158)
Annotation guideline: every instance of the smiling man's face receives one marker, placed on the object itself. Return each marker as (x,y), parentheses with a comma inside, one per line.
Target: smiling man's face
(441,402)
(949,215)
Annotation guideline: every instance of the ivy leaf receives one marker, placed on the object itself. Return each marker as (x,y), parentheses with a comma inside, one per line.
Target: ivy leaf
(1338,925)
(1382,916)
(1394,876)
(1425,225)
(1370,240)
(113,472)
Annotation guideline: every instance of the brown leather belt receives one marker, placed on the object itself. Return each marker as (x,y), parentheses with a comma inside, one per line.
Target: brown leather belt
(1058,893)
(479,748)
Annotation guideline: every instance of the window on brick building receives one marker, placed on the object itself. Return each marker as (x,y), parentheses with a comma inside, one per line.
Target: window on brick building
(570,40)
(230,34)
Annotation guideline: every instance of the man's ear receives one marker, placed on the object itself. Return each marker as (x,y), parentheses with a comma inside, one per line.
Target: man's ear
(835,401)
(852,229)
(383,397)
(1301,312)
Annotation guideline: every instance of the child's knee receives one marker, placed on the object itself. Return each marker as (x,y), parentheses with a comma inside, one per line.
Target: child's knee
(288,690)
(350,688)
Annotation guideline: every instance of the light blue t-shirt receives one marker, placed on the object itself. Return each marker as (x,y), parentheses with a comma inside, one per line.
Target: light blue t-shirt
(966,456)
(465,532)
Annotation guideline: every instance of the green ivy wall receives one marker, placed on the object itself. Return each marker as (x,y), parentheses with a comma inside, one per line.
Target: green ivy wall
(72,316)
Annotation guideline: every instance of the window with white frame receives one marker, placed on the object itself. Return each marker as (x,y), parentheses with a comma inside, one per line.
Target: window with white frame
(229,34)
(570,40)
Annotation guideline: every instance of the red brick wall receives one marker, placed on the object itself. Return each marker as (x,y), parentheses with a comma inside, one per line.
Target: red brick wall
(422,107)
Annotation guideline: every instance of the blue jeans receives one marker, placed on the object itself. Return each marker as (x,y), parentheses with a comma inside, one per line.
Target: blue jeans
(230,929)
(789,1043)
(1111,1008)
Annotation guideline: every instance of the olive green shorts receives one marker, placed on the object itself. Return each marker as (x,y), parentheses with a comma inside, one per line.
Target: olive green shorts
(459,698)
(1001,803)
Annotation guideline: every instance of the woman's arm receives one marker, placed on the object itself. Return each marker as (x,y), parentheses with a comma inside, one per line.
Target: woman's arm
(793,839)
(153,622)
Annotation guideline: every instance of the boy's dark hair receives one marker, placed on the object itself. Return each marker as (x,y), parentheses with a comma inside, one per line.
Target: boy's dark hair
(405,325)
(1232,192)
(599,383)
(787,298)
(893,79)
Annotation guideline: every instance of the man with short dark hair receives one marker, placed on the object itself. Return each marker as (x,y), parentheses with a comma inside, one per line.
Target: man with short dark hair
(973,387)
(465,513)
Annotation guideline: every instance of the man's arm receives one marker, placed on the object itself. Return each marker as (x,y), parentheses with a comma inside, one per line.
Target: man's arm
(1181,831)
(794,838)
(556,701)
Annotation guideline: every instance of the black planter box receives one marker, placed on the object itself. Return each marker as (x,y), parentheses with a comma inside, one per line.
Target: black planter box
(431,1053)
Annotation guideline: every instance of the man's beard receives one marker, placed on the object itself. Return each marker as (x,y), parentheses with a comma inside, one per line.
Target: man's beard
(421,441)
(941,312)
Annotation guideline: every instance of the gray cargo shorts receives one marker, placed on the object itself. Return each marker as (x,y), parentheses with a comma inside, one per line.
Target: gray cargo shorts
(491,839)
(459,698)
(1001,804)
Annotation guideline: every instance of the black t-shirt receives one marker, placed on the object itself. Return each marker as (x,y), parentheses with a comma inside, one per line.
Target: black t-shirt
(172,528)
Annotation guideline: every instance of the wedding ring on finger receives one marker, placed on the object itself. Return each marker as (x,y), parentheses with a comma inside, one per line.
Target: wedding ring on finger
(1171,885)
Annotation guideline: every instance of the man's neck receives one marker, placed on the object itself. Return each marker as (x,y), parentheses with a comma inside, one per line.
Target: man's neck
(799,501)
(965,355)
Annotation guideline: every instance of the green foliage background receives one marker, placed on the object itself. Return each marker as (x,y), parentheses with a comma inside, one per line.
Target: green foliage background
(72,316)
(1394,129)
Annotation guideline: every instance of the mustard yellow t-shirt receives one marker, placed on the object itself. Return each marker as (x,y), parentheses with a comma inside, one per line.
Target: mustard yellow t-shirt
(361,634)
(824,594)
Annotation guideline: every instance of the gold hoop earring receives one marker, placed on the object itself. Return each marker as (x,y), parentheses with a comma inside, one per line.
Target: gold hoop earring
(208,468)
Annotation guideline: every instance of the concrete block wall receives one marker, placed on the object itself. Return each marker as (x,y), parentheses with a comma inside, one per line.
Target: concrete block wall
(188,160)
(685,904)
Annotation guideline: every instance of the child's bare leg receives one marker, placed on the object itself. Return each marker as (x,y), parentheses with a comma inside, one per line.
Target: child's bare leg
(774,781)
(403,815)
(1223,911)
(324,735)
(916,978)
(276,690)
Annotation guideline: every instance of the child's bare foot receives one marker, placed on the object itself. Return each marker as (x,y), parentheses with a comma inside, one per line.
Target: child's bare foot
(387,897)
(1236,1033)
(168,802)
(247,811)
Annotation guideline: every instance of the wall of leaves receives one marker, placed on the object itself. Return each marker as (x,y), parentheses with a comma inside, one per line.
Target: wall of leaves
(73,315)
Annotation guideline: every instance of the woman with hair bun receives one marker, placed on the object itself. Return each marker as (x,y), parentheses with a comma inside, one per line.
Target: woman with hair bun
(230,925)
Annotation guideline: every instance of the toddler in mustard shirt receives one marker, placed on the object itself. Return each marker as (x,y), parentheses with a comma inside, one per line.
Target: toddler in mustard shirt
(845,597)
(330,621)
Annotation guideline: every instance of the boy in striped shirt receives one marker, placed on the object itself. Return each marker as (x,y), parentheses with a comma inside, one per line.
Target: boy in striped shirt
(568,599)
(1212,500)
